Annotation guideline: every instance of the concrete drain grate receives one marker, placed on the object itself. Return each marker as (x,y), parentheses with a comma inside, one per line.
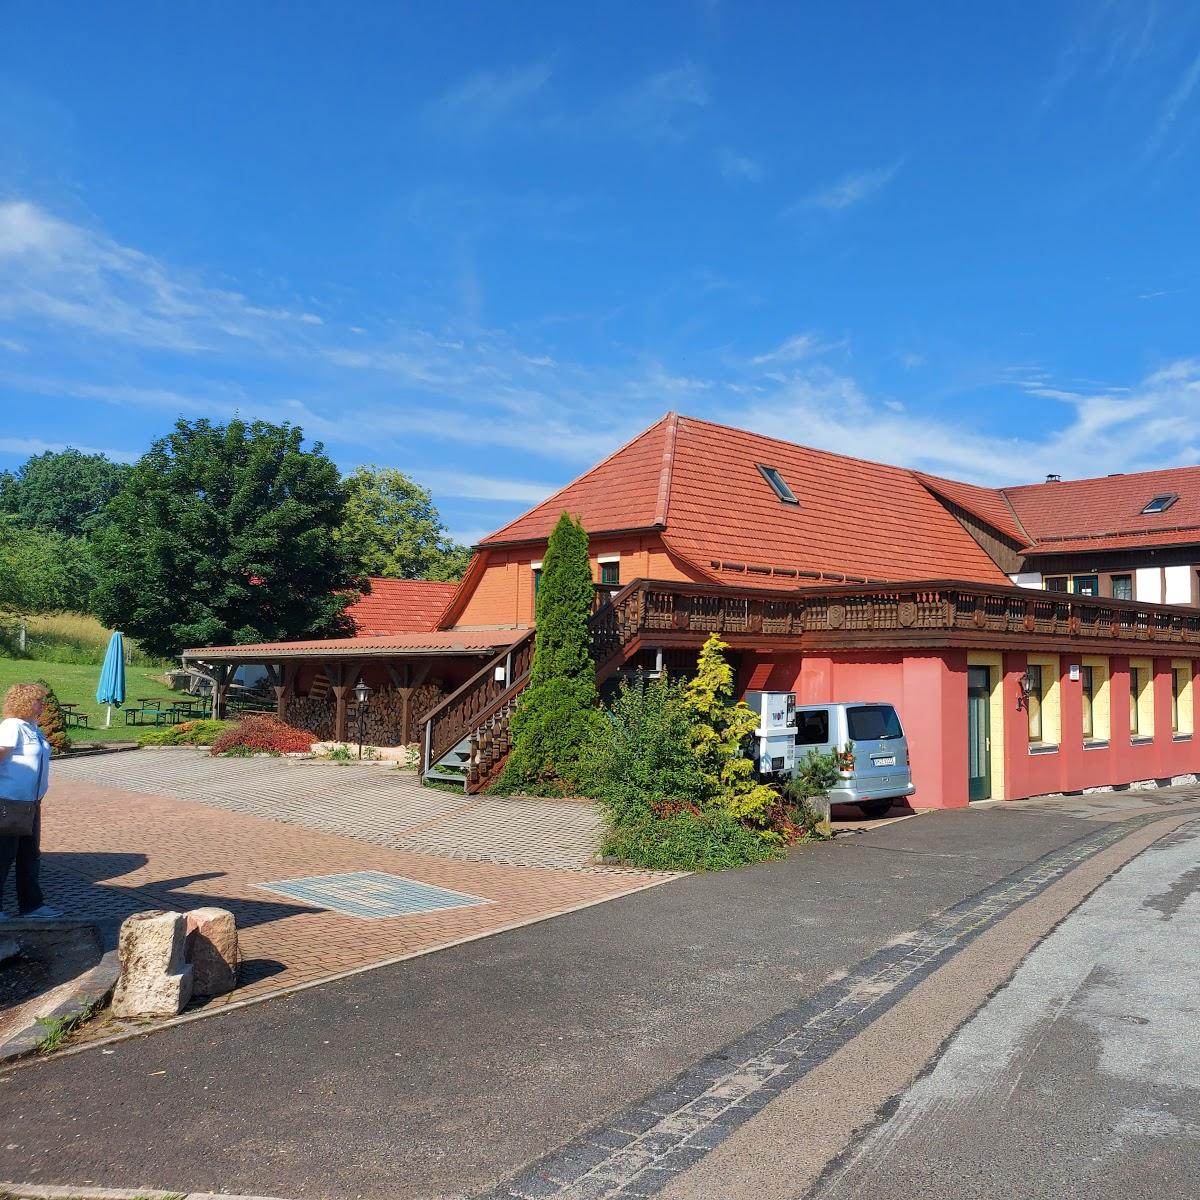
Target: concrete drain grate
(371,894)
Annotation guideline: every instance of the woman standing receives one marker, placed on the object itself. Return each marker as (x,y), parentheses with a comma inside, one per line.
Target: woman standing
(24,777)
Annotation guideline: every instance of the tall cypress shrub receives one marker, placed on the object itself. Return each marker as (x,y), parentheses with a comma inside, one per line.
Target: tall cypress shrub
(557,713)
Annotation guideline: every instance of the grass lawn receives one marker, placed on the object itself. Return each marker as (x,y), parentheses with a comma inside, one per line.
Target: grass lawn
(76,682)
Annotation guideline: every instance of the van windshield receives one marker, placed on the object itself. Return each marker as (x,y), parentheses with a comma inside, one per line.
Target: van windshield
(873,723)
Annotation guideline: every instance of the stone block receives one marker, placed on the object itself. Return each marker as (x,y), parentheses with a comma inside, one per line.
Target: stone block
(155,980)
(212,951)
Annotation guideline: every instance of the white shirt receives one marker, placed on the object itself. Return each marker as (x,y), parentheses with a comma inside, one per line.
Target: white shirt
(25,773)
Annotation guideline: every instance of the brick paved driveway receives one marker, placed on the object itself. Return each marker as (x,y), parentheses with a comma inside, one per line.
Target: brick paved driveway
(137,830)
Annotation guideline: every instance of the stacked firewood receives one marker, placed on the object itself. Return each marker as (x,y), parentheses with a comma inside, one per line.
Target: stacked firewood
(312,713)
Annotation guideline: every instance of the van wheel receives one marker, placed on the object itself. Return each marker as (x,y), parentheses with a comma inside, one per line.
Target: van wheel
(876,808)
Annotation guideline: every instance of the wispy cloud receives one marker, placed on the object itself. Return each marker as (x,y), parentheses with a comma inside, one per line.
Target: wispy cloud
(26,447)
(467,486)
(64,274)
(794,349)
(489,98)
(1150,424)
(739,166)
(1175,104)
(661,107)
(850,189)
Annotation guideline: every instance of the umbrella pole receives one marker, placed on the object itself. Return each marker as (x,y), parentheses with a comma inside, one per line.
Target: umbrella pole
(108,718)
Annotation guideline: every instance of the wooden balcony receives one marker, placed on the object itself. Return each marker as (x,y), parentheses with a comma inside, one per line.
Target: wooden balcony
(934,613)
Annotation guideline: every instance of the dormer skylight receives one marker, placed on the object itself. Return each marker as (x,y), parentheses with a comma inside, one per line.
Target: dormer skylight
(778,484)
(1160,503)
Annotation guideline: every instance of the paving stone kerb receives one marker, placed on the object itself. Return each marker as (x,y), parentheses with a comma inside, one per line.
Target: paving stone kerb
(378,805)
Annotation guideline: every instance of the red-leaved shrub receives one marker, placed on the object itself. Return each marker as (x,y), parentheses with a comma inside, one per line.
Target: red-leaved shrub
(263,733)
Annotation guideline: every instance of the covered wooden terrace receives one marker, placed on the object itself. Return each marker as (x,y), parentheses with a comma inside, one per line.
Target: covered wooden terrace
(313,682)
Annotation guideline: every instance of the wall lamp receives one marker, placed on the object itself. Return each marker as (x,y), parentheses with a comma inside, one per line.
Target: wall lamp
(1026,684)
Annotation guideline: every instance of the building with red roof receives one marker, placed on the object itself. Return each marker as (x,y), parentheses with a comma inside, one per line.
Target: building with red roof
(968,608)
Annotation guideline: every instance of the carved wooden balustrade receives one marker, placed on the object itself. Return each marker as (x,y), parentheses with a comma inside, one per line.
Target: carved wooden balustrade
(467,709)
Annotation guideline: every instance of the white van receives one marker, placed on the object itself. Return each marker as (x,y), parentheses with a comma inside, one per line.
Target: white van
(880,771)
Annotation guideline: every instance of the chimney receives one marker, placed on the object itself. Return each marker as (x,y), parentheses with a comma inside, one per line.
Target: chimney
(1054,479)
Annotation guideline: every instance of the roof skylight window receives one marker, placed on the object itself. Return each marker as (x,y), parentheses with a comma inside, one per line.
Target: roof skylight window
(778,484)
(1160,503)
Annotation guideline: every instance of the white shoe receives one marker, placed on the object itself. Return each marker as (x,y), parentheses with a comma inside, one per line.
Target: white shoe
(45,913)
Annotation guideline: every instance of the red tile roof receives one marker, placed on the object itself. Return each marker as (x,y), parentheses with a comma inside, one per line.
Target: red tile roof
(1110,506)
(400,606)
(442,641)
(699,482)
(988,504)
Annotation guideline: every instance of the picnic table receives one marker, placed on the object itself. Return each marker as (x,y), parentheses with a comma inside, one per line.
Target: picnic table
(71,718)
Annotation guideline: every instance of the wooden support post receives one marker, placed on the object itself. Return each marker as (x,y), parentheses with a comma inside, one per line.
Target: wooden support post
(222,678)
(283,678)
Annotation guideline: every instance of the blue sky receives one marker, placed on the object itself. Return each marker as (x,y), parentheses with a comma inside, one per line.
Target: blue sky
(487,243)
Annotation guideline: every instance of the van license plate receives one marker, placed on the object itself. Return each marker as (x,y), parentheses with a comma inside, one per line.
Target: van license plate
(890,761)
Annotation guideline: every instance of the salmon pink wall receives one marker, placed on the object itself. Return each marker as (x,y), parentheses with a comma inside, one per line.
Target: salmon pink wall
(1073,767)
(503,596)
(930,693)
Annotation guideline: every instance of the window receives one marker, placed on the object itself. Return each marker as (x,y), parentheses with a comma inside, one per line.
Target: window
(1122,587)
(1181,698)
(1087,682)
(1094,679)
(610,572)
(537,578)
(1141,698)
(812,728)
(1160,503)
(1034,702)
(873,723)
(1085,585)
(778,485)
(1056,583)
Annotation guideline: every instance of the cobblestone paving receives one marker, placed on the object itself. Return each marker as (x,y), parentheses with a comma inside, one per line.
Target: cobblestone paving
(108,852)
(642,1150)
(369,802)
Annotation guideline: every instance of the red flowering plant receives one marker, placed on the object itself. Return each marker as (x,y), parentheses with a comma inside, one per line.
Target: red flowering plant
(262,733)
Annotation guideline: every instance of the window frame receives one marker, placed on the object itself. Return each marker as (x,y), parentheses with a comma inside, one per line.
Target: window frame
(1112,586)
(1095,580)
(777,484)
(1159,504)
(1087,701)
(1048,580)
(613,565)
(1034,702)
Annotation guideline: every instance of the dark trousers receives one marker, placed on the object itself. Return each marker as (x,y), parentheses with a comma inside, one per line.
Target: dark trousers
(25,852)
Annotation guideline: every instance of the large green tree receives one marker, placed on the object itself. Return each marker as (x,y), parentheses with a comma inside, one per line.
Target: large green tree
(225,533)
(392,528)
(61,491)
(556,718)
(42,571)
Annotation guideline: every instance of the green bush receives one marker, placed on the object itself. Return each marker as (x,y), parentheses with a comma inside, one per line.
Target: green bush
(186,733)
(640,759)
(689,841)
(662,813)
(815,774)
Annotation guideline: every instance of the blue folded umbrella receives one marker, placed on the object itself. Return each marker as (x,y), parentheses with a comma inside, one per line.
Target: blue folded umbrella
(111,688)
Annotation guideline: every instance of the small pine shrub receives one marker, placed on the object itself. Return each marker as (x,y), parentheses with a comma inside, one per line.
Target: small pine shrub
(52,723)
(720,732)
(186,733)
(263,733)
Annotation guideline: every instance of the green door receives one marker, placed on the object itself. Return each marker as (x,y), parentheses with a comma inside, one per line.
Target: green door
(979,726)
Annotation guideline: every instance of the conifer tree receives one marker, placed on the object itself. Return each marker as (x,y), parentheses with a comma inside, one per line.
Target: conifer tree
(720,733)
(557,712)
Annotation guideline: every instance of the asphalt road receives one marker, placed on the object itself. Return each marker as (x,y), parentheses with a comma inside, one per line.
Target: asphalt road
(448,1073)
(1081,1077)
